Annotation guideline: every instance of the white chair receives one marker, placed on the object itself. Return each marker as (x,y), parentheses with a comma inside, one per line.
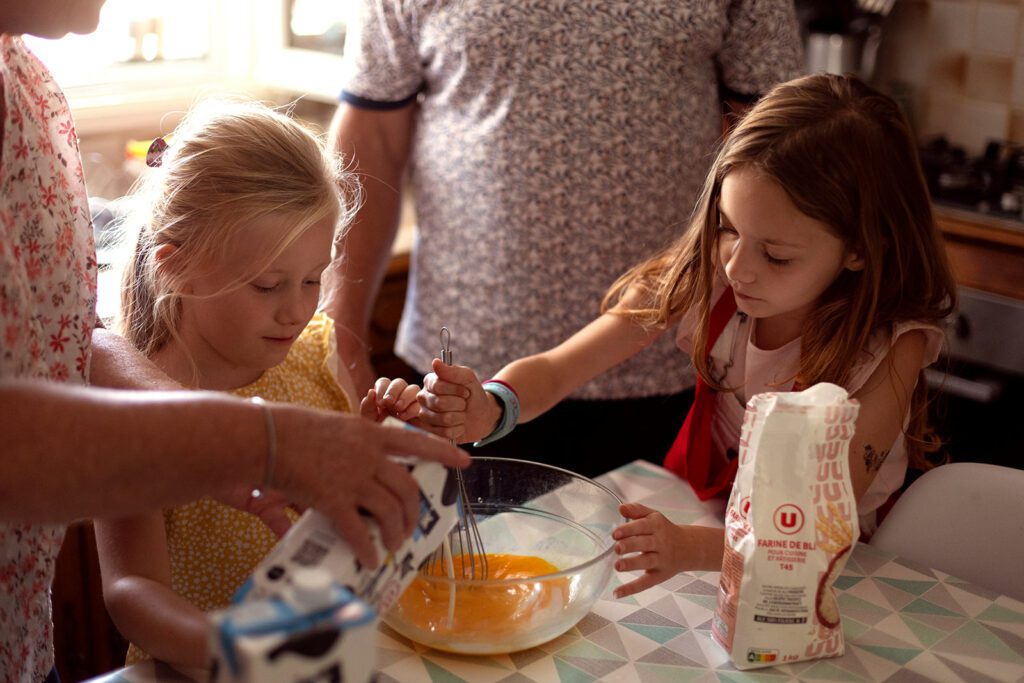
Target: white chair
(965,519)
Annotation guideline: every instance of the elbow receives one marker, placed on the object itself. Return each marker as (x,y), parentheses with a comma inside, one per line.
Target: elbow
(117,597)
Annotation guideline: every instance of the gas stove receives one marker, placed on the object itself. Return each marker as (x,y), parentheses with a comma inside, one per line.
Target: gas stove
(991,184)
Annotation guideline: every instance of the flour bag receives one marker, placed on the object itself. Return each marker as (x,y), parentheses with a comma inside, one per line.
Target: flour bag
(791,524)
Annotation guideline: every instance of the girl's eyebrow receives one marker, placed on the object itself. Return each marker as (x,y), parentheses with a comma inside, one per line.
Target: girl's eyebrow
(723,218)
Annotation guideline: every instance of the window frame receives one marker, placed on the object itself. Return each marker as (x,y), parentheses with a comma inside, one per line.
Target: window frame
(251,57)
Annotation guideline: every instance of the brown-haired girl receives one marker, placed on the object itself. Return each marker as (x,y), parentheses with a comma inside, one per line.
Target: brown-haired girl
(236,226)
(812,256)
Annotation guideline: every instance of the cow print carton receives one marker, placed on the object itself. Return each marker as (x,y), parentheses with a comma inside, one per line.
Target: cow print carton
(305,612)
(313,543)
(791,524)
(315,631)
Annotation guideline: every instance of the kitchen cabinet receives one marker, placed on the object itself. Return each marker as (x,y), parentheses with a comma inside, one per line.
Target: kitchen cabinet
(986,253)
(85,639)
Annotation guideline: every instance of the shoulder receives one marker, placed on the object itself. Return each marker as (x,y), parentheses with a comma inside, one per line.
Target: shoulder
(903,348)
(688,322)
(908,339)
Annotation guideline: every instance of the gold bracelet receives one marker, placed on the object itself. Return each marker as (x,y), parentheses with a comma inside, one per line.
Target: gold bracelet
(268,474)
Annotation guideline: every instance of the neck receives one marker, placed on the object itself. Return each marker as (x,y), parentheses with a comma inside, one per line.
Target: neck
(193,371)
(775,332)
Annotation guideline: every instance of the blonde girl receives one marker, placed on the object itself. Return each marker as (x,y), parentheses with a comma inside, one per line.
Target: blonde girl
(221,293)
(812,256)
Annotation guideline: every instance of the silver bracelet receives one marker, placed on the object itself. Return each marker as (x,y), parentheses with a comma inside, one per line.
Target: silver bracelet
(268,473)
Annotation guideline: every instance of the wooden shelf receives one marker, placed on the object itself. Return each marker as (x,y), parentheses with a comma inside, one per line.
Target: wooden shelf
(986,253)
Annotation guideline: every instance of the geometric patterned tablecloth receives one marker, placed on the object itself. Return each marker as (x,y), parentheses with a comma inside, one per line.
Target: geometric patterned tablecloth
(903,623)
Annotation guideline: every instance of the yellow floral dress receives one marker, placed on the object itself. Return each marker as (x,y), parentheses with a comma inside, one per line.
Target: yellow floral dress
(214,547)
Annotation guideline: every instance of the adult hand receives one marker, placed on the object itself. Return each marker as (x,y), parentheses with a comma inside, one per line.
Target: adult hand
(454,405)
(650,543)
(339,465)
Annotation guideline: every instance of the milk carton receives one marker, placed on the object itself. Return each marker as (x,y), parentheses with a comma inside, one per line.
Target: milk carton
(313,543)
(309,611)
(315,631)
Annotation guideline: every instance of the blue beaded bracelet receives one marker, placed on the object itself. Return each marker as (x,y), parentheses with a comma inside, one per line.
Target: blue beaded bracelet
(509,400)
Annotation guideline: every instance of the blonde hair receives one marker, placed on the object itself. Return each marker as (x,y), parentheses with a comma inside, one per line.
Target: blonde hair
(845,156)
(228,164)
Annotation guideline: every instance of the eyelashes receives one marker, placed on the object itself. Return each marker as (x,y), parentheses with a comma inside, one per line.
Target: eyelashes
(731,232)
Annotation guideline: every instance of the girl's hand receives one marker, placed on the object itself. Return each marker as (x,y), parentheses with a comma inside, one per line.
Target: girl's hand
(390,397)
(269,507)
(454,405)
(651,543)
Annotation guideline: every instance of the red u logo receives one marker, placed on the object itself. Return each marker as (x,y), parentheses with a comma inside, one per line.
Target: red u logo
(788,519)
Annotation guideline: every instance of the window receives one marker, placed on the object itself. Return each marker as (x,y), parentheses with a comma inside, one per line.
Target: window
(150,57)
(310,35)
(317,25)
(130,32)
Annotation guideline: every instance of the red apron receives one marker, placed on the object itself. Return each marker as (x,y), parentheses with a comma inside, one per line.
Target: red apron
(691,456)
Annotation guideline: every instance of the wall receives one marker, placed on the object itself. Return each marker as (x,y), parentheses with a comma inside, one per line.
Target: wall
(108,173)
(959,66)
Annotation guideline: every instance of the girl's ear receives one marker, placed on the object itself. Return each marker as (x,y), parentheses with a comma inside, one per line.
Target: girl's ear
(162,256)
(163,252)
(854,261)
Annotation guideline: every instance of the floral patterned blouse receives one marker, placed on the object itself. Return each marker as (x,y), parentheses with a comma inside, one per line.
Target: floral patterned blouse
(47,313)
(557,143)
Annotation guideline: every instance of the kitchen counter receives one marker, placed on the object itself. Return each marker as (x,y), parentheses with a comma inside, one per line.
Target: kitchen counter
(901,622)
(987,252)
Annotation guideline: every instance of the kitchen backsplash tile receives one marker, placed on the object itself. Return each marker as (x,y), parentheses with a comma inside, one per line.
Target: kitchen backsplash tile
(950,24)
(960,66)
(1017,94)
(996,28)
(1017,126)
(989,78)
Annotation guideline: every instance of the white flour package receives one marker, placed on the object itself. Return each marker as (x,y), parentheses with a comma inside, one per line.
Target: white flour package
(791,524)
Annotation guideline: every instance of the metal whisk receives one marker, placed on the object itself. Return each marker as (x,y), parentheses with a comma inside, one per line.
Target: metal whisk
(463,546)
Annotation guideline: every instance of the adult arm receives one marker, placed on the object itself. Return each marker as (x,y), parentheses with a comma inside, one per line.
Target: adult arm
(117,364)
(74,452)
(377,143)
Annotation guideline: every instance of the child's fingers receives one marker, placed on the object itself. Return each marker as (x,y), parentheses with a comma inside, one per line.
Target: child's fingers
(443,418)
(409,411)
(644,561)
(393,392)
(450,433)
(459,375)
(447,425)
(368,406)
(641,584)
(441,404)
(442,387)
(634,510)
(636,544)
(638,527)
(405,397)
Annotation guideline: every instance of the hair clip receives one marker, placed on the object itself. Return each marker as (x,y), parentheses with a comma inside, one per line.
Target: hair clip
(155,153)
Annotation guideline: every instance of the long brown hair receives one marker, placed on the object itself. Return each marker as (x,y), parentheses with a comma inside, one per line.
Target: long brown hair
(229,163)
(845,156)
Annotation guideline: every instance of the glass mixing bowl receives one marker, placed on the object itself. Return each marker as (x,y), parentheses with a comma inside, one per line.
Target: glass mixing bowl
(560,520)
